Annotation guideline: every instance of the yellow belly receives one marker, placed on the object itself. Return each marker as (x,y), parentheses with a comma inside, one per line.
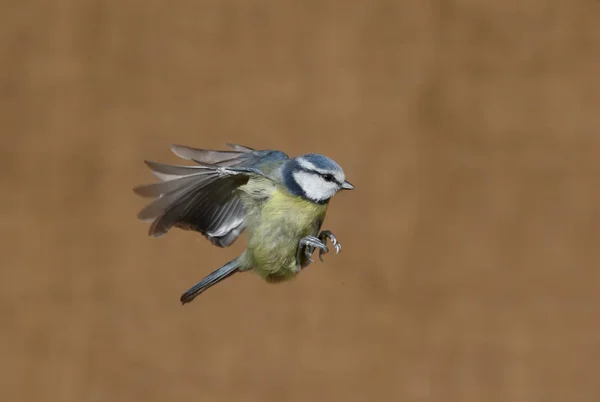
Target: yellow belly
(275,231)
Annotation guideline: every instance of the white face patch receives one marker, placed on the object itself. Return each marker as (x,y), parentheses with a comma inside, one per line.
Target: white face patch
(314,186)
(339,176)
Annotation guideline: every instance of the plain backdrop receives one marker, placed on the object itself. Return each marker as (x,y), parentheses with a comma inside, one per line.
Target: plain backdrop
(470,268)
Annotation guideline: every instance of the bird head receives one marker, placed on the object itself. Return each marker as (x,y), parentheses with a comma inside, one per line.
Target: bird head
(314,177)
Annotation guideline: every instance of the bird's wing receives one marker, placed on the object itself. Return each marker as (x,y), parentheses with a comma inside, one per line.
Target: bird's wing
(239,156)
(203,198)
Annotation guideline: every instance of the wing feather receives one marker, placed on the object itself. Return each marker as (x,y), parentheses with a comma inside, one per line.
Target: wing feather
(203,198)
(203,155)
(240,148)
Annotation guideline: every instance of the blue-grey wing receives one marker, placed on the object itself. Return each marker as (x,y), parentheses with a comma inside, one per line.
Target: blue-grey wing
(239,156)
(204,198)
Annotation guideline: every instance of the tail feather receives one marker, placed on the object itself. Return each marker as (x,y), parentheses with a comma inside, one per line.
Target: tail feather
(211,279)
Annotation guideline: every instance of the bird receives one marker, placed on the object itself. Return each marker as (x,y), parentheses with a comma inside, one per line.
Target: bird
(280,203)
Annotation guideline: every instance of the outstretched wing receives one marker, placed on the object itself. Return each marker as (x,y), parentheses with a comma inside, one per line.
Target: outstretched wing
(203,198)
(239,156)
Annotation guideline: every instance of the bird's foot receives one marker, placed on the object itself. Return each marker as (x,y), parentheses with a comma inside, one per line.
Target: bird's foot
(308,244)
(323,236)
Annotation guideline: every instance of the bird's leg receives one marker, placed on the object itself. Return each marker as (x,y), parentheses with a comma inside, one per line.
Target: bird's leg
(323,236)
(307,246)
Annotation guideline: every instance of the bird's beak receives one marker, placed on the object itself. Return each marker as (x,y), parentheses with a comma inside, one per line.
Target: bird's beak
(346,185)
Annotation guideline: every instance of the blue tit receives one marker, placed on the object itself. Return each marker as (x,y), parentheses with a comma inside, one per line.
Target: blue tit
(279,201)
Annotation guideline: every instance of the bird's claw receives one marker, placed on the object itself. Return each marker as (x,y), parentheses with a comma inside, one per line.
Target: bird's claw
(308,253)
(309,244)
(323,236)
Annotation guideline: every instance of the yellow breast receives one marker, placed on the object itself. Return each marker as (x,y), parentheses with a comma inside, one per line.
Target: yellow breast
(275,230)
(296,212)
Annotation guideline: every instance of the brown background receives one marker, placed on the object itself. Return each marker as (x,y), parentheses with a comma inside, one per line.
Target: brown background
(470,269)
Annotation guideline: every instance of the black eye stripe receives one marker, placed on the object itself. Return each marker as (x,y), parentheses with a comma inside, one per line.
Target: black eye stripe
(329,177)
(326,176)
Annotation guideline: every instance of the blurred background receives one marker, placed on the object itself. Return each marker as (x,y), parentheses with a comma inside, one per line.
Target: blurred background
(470,269)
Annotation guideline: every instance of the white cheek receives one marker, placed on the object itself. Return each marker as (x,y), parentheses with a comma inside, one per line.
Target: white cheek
(315,187)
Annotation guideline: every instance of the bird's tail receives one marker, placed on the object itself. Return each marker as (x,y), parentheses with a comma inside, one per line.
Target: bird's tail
(211,279)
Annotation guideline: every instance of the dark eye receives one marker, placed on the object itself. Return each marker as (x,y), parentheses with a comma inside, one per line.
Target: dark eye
(328,177)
